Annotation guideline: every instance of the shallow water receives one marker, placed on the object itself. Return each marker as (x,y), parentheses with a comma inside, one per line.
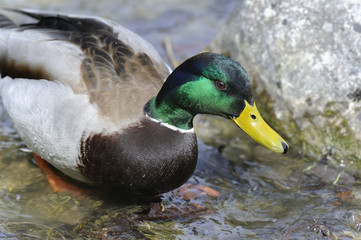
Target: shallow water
(263,195)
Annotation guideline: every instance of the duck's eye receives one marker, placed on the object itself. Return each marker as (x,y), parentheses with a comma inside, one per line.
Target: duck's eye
(253,116)
(221,85)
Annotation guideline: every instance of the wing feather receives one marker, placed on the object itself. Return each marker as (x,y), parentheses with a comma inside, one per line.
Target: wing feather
(116,68)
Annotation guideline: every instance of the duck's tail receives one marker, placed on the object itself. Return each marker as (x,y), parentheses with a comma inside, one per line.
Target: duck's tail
(5,22)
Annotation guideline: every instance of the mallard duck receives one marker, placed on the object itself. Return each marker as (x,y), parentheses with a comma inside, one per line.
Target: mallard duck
(97,102)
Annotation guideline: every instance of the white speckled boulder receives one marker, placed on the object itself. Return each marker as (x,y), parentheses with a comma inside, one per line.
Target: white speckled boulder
(305,57)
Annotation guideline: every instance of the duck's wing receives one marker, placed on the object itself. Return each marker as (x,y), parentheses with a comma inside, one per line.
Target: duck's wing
(117,69)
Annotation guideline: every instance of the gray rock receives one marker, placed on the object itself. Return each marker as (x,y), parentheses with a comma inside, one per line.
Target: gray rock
(305,57)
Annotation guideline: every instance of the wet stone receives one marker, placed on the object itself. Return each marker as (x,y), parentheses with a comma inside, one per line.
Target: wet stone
(304,60)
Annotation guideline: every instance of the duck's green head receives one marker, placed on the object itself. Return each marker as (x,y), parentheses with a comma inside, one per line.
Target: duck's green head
(210,83)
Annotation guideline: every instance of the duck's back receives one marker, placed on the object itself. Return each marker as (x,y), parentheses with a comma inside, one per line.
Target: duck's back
(118,70)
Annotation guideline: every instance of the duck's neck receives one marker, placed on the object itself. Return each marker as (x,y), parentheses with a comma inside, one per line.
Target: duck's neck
(168,112)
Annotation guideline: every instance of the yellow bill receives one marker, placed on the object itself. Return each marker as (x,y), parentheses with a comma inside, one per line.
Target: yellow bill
(253,124)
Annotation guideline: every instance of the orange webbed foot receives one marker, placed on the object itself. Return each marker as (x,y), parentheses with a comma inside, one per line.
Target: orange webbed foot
(59,182)
(189,191)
